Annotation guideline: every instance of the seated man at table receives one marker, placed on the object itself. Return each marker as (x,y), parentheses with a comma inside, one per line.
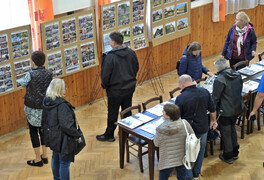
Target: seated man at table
(227,89)
(194,102)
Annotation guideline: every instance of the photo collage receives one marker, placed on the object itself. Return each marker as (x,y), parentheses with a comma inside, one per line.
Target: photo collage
(20,44)
(52,36)
(86,26)
(108,17)
(4,56)
(71,57)
(127,36)
(168,18)
(21,68)
(138,10)
(6,83)
(88,54)
(69,31)
(124,13)
(55,63)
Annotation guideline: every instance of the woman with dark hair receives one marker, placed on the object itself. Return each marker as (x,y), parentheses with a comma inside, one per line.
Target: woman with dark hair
(241,41)
(191,62)
(170,138)
(36,83)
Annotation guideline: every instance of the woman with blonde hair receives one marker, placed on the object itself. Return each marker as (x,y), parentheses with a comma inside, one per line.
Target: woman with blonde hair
(241,41)
(59,128)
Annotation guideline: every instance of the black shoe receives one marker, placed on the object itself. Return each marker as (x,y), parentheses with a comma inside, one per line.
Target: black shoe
(33,163)
(235,157)
(229,161)
(105,138)
(45,160)
(195,176)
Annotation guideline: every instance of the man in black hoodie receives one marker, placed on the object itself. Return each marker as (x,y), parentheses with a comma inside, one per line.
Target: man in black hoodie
(227,96)
(118,75)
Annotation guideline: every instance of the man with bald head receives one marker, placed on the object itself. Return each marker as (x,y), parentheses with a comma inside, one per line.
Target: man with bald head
(194,102)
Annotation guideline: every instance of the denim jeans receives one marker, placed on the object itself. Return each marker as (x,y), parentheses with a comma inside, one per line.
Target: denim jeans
(199,161)
(165,173)
(60,168)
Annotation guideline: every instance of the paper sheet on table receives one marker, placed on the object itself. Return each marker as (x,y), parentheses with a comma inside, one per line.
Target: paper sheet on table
(142,117)
(151,127)
(130,122)
(249,86)
(156,110)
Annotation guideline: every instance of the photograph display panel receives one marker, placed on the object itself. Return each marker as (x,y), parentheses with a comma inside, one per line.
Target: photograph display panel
(21,68)
(88,54)
(52,36)
(86,27)
(170,19)
(4,53)
(55,63)
(20,43)
(131,22)
(71,58)
(6,82)
(68,31)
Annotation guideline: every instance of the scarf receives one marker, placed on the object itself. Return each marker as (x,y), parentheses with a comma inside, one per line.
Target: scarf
(240,33)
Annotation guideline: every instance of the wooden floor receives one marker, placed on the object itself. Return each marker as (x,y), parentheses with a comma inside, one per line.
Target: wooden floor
(100,160)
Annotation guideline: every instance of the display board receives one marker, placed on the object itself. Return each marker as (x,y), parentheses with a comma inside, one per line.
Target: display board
(15,52)
(170,19)
(127,17)
(70,43)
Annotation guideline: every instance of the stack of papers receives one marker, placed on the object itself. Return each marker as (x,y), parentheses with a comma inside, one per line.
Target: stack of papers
(249,86)
(259,77)
(261,62)
(156,110)
(142,117)
(151,127)
(251,70)
(208,83)
(130,122)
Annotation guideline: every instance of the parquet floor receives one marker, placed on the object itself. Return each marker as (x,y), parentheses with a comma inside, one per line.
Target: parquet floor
(100,160)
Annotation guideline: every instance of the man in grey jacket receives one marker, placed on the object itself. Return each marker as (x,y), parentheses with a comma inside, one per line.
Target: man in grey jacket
(227,89)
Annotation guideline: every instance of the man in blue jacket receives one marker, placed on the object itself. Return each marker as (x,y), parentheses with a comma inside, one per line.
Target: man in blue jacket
(118,75)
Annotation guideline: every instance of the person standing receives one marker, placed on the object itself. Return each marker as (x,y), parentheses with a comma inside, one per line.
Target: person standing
(170,138)
(191,62)
(227,89)
(241,41)
(194,102)
(36,83)
(59,129)
(118,75)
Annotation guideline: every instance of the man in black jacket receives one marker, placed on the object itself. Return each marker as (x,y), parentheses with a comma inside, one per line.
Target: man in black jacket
(118,74)
(226,94)
(194,103)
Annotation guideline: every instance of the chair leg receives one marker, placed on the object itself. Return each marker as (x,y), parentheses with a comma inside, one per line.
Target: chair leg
(140,158)
(243,127)
(127,151)
(258,119)
(157,149)
(212,147)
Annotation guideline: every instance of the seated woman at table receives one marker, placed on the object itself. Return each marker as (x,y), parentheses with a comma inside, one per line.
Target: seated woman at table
(170,138)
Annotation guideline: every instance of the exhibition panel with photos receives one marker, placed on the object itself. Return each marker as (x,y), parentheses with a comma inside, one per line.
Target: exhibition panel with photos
(70,43)
(15,52)
(127,17)
(170,19)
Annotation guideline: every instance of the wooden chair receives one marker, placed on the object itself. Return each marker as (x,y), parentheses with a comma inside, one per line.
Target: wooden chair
(174,91)
(261,56)
(144,104)
(246,63)
(135,141)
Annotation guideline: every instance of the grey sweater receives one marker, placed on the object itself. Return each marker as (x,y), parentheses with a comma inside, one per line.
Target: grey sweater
(170,138)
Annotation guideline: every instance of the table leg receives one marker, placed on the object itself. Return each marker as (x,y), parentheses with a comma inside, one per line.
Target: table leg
(151,153)
(122,142)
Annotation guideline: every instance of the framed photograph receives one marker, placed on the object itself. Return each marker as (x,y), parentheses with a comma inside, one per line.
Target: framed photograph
(108,17)
(139,42)
(68,31)
(52,36)
(168,1)
(138,10)
(182,24)
(156,3)
(20,43)
(107,46)
(4,56)
(54,60)
(88,54)
(6,83)
(138,29)
(126,33)
(71,58)
(169,11)
(21,68)
(127,43)
(123,13)
(158,31)
(182,8)
(86,26)
(157,15)
(170,27)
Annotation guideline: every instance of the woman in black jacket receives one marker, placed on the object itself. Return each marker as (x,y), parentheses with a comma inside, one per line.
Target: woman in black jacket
(59,129)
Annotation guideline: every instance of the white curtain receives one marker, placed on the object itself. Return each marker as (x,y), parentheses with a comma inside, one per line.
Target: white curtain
(233,6)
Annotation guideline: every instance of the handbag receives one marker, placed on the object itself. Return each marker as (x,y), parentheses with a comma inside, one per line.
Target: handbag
(78,146)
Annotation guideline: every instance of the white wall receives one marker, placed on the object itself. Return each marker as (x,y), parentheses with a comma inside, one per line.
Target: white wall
(63,6)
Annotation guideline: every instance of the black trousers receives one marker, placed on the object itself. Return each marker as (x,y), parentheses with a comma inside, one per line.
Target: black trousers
(229,136)
(114,103)
(35,132)
(232,62)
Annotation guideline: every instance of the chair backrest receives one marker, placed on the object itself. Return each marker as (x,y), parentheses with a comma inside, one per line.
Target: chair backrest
(240,63)
(247,98)
(200,80)
(174,91)
(129,109)
(144,104)
(261,56)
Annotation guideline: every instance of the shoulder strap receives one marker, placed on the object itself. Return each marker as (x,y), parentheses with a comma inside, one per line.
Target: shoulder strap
(185,127)
(194,115)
